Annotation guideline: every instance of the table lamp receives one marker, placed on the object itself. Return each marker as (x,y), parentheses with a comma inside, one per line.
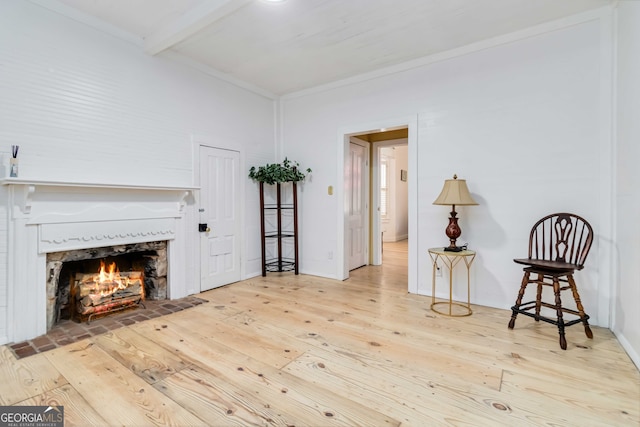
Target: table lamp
(454,192)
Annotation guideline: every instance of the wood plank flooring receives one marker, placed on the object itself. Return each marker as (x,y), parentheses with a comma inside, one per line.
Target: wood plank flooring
(291,350)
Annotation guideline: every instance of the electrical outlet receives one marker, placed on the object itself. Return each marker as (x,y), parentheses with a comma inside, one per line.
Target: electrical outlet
(330,255)
(438,271)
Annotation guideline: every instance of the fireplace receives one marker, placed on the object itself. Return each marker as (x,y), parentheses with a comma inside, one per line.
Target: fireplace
(93,282)
(57,229)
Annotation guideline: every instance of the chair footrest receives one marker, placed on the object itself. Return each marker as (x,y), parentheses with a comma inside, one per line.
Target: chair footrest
(526,307)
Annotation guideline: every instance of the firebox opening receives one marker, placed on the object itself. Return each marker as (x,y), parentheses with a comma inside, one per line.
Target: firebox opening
(70,270)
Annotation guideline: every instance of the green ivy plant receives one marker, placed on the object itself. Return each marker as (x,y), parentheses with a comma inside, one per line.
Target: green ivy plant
(287,171)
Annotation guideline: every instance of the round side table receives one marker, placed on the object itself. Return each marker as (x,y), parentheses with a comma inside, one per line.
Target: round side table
(450,260)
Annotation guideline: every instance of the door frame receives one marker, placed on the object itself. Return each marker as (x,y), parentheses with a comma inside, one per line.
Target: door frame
(343,141)
(194,215)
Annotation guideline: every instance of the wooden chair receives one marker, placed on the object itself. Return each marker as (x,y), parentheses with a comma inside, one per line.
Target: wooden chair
(558,245)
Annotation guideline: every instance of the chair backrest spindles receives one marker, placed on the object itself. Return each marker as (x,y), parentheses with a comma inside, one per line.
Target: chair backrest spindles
(561,237)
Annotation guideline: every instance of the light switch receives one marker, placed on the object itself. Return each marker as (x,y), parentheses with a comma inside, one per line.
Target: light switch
(330,190)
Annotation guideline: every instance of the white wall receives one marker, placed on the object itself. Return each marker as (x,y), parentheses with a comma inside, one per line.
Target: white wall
(526,122)
(86,106)
(627,296)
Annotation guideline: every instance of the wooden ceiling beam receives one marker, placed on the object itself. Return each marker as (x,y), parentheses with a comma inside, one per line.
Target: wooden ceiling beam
(190,23)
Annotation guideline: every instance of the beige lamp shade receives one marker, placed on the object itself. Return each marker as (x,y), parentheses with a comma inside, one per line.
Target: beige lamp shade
(455,192)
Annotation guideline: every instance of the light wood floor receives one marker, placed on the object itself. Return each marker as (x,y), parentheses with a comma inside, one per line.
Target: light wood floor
(306,351)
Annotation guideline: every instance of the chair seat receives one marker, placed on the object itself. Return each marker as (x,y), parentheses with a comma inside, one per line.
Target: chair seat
(542,264)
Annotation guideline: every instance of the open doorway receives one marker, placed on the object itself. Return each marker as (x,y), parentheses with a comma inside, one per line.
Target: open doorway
(344,134)
(379,197)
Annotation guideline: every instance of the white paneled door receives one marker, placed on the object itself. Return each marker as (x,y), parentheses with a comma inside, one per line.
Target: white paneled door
(355,180)
(219,217)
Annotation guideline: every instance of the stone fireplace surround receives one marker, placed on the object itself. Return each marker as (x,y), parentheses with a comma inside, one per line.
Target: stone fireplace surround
(47,217)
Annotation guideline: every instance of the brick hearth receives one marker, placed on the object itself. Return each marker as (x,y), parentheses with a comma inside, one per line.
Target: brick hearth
(67,331)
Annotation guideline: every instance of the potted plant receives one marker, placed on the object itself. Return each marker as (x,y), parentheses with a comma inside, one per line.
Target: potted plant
(287,171)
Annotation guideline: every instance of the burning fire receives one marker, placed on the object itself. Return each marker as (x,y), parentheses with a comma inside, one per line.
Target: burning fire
(106,290)
(108,280)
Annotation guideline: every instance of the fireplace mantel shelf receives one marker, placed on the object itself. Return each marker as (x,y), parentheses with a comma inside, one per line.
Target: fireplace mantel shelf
(26,188)
(34,182)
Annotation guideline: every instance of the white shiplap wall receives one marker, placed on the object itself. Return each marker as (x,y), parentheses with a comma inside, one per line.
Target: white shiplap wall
(85,106)
(627,295)
(525,121)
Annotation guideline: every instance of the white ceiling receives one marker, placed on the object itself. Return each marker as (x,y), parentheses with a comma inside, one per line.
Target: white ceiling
(285,47)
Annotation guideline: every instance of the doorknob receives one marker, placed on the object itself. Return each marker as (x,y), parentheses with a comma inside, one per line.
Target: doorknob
(203,228)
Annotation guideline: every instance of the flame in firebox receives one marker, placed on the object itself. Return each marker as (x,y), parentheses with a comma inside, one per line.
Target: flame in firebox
(110,275)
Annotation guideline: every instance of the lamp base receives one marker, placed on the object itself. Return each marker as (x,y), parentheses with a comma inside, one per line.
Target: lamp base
(454,249)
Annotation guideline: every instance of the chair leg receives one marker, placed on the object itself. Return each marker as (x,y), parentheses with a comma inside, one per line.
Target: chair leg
(539,297)
(558,304)
(523,287)
(583,316)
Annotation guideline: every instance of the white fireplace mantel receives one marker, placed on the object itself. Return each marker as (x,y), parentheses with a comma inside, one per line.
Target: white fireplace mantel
(30,186)
(50,216)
